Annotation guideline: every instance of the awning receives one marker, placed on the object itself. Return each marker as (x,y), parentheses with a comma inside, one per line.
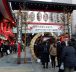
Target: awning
(38,5)
(5,10)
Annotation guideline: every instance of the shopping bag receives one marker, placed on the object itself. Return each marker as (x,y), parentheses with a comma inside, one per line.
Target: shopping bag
(8,51)
(38,60)
(62,66)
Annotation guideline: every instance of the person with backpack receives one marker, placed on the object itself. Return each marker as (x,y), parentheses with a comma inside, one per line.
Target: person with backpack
(53,53)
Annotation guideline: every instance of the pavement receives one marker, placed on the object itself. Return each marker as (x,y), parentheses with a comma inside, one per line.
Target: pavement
(9,64)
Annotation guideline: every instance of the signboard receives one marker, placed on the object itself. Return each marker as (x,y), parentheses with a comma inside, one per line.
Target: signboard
(40,21)
(44,28)
(35,28)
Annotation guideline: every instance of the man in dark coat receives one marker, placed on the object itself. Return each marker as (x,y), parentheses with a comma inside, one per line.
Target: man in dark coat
(61,50)
(45,54)
(74,45)
(58,52)
(69,58)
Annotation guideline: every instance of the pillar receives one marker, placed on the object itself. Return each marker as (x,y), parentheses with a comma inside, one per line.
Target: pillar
(19,35)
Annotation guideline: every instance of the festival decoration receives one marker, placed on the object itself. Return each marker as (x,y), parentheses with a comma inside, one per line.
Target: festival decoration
(45,16)
(39,16)
(51,16)
(32,16)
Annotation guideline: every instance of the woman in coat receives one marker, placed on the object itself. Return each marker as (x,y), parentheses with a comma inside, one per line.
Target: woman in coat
(69,58)
(53,54)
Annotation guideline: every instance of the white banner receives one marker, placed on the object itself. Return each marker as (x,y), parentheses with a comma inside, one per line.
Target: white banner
(44,28)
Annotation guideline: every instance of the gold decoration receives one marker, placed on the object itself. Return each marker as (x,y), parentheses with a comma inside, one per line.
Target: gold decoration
(33,42)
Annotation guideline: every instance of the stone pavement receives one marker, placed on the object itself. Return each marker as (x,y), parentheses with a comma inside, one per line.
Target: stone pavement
(9,64)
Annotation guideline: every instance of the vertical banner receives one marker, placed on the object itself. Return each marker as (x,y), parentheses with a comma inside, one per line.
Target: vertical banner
(19,34)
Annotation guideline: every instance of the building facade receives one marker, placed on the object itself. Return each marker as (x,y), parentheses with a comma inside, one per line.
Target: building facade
(74,19)
(73,28)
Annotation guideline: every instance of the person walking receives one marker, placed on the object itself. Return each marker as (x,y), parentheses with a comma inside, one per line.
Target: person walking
(58,51)
(74,45)
(45,54)
(69,58)
(63,44)
(53,54)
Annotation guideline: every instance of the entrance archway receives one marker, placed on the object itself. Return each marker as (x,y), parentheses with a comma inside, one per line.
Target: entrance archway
(33,42)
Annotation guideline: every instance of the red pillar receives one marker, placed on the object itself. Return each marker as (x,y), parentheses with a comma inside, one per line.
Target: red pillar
(19,53)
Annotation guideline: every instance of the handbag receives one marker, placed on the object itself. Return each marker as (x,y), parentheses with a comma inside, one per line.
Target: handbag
(62,66)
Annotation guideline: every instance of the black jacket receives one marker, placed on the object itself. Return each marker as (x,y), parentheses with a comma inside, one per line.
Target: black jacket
(69,56)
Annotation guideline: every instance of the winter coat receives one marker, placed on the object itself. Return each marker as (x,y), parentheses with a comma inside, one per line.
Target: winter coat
(53,51)
(58,49)
(69,56)
(45,53)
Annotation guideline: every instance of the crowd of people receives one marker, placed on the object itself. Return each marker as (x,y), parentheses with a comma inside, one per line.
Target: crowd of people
(7,48)
(67,55)
(60,52)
